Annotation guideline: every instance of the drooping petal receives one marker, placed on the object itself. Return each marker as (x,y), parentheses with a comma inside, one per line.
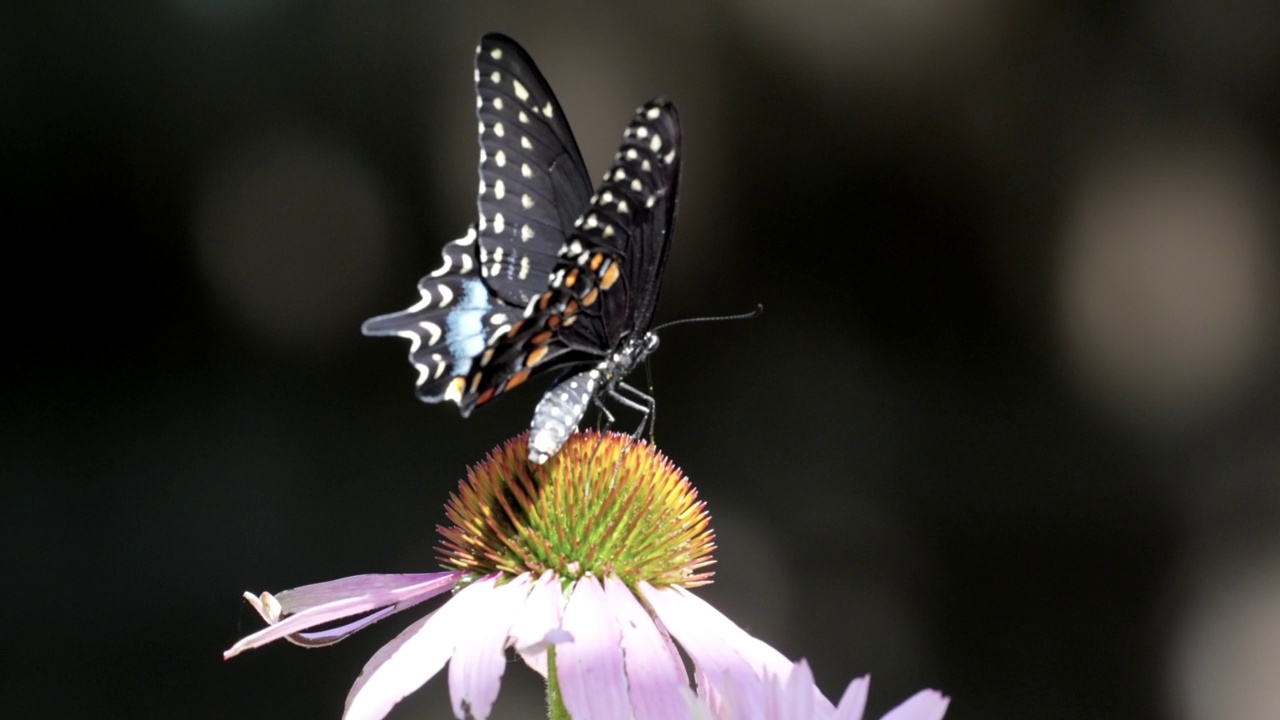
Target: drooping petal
(475,672)
(709,697)
(537,624)
(320,603)
(718,660)
(719,638)
(794,696)
(592,682)
(655,672)
(383,588)
(854,701)
(924,705)
(414,656)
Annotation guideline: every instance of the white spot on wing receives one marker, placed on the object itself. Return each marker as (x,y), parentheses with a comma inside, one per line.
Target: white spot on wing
(434,331)
(526,234)
(653,113)
(496,77)
(498,226)
(415,340)
(525,170)
(498,129)
(524,143)
(496,53)
(525,201)
(446,295)
(521,91)
(500,159)
(656,144)
(499,189)
(448,264)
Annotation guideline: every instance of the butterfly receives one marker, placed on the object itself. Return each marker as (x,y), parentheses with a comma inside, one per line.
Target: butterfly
(553,275)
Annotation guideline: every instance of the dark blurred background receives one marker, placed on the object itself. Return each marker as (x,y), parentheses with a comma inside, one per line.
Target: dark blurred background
(1008,426)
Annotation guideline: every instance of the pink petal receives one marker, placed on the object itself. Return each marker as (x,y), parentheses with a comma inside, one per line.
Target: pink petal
(924,705)
(325,602)
(689,621)
(415,655)
(854,701)
(592,682)
(384,587)
(475,673)
(537,624)
(655,672)
(795,695)
(718,640)
(712,699)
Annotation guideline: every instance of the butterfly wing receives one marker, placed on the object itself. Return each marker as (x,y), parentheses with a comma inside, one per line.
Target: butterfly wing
(608,273)
(532,179)
(468,341)
(606,281)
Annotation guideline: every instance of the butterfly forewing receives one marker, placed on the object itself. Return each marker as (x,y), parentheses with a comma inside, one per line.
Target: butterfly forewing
(610,268)
(532,179)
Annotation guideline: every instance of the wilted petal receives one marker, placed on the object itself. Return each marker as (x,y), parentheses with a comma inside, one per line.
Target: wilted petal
(655,672)
(537,624)
(475,673)
(312,605)
(924,705)
(384,589)
(854,701)
(592,682)
(415,655)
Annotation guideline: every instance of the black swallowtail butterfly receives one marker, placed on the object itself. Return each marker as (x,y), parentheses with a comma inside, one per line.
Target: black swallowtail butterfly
(553,276)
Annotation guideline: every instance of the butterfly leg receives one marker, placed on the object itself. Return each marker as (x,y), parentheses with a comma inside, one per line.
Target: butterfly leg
(643,404)
(609,419)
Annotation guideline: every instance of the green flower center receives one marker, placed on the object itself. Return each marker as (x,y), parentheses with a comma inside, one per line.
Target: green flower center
(605,504)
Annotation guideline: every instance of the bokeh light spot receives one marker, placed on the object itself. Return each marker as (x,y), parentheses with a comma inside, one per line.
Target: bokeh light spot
(292,232)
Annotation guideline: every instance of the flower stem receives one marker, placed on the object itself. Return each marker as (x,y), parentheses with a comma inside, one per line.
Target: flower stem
(555,703)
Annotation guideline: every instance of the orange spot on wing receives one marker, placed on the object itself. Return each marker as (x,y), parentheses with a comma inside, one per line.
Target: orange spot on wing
(571,278)
(590,297)
(541,338)
(610,276)
(553,322)
(486,396)
(517,379)
(454,390)
(596,261)
(514,329)
(533,358)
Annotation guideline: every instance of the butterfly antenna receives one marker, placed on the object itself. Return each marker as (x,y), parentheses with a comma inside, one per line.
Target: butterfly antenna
(714,318)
